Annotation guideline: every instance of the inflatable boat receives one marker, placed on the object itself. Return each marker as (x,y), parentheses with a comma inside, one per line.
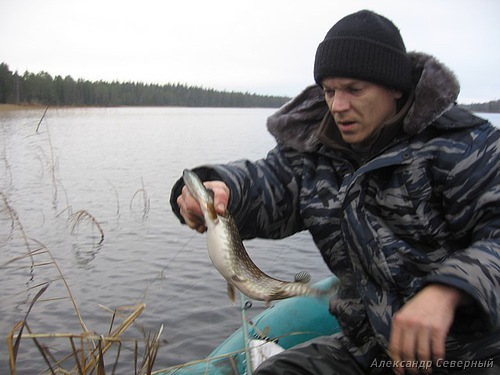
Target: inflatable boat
(283,325)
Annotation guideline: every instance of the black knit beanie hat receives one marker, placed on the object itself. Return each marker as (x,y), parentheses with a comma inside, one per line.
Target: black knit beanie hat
(365,46)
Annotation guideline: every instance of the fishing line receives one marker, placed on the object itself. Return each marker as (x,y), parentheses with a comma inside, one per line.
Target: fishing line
(274,261)
(184,289)
(162,276)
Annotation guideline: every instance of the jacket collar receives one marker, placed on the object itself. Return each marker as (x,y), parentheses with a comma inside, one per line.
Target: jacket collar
(304,123)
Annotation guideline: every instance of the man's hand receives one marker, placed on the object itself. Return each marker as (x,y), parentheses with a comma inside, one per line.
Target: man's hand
(420,328)
(190,209)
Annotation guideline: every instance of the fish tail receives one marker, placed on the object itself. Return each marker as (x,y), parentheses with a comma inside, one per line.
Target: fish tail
(330,291)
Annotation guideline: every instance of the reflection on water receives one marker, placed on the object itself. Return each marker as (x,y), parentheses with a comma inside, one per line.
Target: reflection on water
(118,164)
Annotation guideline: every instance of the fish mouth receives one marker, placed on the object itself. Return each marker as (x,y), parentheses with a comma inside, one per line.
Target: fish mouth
(204,196)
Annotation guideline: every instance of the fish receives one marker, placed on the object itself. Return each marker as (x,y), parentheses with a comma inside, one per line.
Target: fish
(231,259)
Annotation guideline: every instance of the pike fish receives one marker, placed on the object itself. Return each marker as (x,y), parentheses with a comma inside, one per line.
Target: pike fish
(230,258)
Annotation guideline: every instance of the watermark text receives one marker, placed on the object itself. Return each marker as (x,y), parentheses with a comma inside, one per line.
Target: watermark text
(440,363)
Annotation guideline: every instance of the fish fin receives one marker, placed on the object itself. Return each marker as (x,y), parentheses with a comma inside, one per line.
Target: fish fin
(302,277)
(230,292)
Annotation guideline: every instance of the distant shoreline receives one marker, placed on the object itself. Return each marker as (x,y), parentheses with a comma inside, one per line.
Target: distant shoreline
(19,107)
(16,107)
(22,107)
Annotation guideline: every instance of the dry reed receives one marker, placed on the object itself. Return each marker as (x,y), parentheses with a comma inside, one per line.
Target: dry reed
(83,215)
(87,350)
(146,204)
(83,351)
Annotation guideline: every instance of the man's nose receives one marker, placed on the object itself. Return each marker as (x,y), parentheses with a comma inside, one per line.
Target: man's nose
(340,102)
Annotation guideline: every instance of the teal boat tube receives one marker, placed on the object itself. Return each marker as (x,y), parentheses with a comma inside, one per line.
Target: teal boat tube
(283,325)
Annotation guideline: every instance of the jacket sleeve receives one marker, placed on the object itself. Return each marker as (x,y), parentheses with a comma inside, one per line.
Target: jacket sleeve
(471,200)
(264,195)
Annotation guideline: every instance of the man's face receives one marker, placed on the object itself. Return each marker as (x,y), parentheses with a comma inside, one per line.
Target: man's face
(360,108)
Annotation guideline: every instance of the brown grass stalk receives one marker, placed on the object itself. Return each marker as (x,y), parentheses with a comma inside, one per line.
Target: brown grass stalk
(82,215)
(146,203)
(86,350)
(14,347)
(40,122)
(93,361)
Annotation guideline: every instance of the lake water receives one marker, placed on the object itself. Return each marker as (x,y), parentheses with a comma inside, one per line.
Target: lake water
(103,161)
(118,165)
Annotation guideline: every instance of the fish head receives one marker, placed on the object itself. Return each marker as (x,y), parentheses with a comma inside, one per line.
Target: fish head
(204,196)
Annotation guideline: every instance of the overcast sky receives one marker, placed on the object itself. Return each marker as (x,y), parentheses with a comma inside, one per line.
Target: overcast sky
(261,46)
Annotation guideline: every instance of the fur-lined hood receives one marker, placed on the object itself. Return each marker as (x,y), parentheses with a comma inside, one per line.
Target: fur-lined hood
(436,90)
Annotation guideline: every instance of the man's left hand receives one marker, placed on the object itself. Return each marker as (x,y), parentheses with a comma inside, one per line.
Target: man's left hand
(419,329)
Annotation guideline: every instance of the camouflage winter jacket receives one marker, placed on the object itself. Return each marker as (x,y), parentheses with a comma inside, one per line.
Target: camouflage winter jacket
(422,206)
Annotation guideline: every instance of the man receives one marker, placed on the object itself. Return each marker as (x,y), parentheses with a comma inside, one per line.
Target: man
(400,191)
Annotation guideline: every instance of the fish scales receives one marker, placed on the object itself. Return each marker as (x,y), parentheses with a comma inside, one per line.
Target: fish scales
(230,258)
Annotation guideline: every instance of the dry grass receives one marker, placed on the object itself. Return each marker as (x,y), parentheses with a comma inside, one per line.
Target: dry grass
(83,215)
(88,350)
(146,204)
(83,352)
(77,350)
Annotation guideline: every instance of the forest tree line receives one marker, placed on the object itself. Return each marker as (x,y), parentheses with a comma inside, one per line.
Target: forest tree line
(43,89)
